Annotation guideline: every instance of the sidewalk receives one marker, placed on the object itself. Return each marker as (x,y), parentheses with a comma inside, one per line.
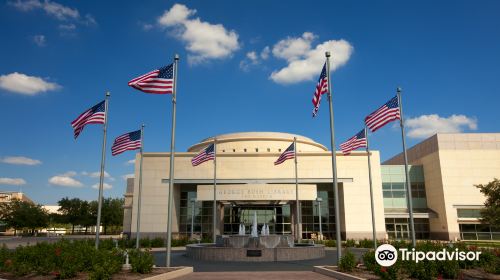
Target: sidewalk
(245,275)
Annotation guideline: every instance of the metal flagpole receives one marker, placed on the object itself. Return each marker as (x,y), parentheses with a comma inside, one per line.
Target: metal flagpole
(297,206)
(215,189)
(334,162)
(407,173)
(139,198)
(371,189)
(171,174)
(101,179)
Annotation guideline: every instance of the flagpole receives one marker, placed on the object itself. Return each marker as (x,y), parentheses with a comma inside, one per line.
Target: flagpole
(371,190)
(334,162)
(215,190)
(407,173)
(139,198)
(101,179)
(171,174)
(297,206)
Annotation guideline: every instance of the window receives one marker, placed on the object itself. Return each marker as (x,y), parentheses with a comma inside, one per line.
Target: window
(399,228)
(234,150)
(223,151)
(279,150)
(245,150)
(478,232)
(395,195)
(469,213)
(257,150)
(268,149)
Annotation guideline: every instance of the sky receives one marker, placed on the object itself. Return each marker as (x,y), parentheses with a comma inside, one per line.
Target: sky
(244,66)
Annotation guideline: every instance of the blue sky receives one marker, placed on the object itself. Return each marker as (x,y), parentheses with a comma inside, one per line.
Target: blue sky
(245,66)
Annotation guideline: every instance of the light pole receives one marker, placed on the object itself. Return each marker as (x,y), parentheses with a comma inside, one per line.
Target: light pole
(193,201)
(318,200)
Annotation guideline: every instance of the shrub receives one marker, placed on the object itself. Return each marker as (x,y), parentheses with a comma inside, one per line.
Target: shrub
(347,262)
(350,243)
(105,264)
(141,261)
(145,242)
(365,243)
(369,260)
(5,258)
(490,262)
(448,269)
(330,243)
(157,242)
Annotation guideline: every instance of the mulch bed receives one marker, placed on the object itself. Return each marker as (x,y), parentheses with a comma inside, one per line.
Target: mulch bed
(122,275)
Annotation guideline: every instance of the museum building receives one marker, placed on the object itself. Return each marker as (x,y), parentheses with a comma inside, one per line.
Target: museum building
(443,171)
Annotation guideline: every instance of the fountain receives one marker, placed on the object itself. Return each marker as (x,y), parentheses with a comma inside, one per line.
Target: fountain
(266,247)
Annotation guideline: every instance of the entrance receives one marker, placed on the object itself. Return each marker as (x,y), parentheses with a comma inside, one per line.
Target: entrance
(277,217)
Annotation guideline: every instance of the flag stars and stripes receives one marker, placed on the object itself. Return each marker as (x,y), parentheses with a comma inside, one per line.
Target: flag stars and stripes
(383,115)
(321,88)
(160,81)
(353,143)
(94,115)
(127,142)
(205,155)
(289,153)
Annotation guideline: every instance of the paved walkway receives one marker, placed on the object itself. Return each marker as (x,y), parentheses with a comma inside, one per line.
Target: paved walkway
(245,275)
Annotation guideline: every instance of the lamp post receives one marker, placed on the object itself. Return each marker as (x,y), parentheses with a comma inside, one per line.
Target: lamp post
(318,200)
(193,201)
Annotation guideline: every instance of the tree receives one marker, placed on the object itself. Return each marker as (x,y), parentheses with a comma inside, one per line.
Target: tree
(491,212)
(19,214)
(111,212)
(73,211)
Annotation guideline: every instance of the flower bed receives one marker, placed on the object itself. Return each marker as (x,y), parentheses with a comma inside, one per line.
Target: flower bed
(487,267)
(77,259)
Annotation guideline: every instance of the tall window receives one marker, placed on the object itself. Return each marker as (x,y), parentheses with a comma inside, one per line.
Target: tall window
(203,213)
(311,219)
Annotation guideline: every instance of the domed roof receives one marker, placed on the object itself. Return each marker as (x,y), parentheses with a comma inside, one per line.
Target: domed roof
(253,141)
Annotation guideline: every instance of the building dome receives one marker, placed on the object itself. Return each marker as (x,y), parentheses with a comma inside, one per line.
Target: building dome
(256,142)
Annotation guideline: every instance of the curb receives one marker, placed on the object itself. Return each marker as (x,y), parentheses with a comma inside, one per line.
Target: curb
(183,270)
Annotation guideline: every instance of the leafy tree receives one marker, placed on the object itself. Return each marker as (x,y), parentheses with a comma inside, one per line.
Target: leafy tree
(491,212)
(76,212)
(24,215)
(112,213)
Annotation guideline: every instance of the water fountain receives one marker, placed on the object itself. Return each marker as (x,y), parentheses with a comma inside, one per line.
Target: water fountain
(266,247)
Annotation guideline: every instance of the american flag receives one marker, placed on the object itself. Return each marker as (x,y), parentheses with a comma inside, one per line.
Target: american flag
(289,153)
(383,115)
(127,142)
(353,143)
(96,114)
(321,88)
(207,154)
(160,81)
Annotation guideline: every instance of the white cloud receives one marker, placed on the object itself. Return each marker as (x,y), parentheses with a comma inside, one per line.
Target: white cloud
(147,26)
(55,10)
(24,84)
(292,49)
(67,27)
(66,180)
(264,54)
(428,125)
(12,181)
(305,62)
(204,41)
(40,40)
(253,59)
(97,174)
(126,176)
(132,161)
(105,186)
(21,161)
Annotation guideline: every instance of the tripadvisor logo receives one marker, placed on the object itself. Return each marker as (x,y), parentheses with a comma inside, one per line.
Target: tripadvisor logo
(387,255)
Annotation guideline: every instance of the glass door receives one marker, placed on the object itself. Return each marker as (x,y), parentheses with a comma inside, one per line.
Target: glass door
(402,231)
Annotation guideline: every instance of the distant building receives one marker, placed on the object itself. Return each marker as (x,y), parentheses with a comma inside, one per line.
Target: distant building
(443,172)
